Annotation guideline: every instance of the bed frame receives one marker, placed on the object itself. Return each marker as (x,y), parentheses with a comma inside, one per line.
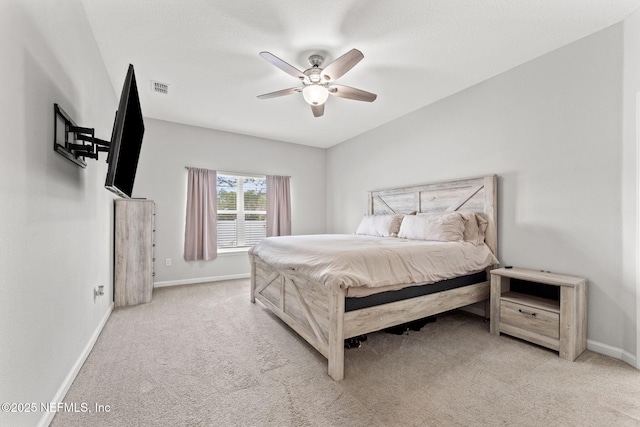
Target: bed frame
(317,313)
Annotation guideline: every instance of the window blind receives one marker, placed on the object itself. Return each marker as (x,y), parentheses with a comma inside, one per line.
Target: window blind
(241,211)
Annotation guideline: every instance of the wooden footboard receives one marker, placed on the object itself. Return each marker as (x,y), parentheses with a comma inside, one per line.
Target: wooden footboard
(317,313)
(301,304)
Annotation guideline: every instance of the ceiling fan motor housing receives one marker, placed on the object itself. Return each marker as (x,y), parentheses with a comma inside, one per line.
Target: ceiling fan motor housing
(313,74)
(316,60)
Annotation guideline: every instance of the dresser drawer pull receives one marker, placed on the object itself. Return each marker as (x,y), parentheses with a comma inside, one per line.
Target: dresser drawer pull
(527,313)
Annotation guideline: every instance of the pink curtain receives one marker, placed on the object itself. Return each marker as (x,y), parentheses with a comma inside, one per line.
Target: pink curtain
(200,234)
(278,206)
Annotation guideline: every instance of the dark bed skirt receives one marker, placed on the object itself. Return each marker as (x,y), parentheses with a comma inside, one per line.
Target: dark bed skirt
(354,303)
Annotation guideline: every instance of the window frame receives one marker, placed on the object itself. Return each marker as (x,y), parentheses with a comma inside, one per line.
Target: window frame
(240,213)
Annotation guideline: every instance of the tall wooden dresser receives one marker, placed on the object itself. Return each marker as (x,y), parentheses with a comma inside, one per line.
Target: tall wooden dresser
(133,245)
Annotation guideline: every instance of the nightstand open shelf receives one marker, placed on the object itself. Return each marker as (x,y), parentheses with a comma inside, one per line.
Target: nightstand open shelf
(557,323)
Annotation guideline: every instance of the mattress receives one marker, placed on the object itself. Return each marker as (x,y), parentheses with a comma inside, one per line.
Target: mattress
(357,262)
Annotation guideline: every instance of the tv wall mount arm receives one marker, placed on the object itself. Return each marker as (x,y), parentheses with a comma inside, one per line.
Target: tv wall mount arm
(78,143)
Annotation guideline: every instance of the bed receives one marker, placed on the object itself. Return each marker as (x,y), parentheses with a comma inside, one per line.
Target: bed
(328,303)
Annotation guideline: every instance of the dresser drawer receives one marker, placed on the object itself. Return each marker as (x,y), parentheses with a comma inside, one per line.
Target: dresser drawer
(532,319)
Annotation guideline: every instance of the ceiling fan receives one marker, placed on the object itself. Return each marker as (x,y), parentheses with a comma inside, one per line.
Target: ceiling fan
(318,83)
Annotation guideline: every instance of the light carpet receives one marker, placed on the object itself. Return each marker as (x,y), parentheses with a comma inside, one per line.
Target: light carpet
(203,355)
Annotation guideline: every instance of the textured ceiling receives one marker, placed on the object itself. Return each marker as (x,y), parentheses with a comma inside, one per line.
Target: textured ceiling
(415,53)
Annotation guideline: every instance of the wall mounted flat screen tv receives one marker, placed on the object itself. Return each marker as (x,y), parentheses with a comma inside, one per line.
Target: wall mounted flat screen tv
(126,140)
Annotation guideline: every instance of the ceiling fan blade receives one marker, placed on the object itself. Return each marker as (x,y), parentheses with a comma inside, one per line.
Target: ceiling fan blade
(352,93)
(318,110)
(284,66)
(282,92)
(340,66)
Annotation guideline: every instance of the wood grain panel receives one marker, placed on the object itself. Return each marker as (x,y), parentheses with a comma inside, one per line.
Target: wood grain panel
(530,318)
(465,195)
(384,316)
(293,324)
(336,334)
(551,343)
(273,292)
(445,199)
(308,315)
(573,320)
(304,302)
(314,294)
(395,204)
(540,276)
(133,246)
(497,284)
(299,310)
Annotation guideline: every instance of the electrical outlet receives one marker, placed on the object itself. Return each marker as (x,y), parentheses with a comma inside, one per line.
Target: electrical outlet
(167,262)
(98,292)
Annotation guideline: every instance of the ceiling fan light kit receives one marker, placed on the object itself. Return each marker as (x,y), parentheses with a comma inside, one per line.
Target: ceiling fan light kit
(317,82)
(315,94)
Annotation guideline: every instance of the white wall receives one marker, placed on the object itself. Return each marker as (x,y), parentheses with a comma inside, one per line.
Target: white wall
(631,161)
(552,131)
(169,147)
(55,218)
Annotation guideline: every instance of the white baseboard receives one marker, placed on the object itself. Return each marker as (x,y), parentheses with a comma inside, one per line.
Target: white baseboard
(71,376)
(201,280)
(615,352)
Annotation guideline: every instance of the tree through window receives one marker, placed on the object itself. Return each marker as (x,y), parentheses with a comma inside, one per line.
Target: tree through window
(241,221)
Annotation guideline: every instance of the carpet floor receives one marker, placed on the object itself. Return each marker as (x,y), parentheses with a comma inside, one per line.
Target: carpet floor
(203,355)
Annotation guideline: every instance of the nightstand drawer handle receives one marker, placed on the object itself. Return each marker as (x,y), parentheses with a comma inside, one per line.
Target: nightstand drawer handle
(528,313)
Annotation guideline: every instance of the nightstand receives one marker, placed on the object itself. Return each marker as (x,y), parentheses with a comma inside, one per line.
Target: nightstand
(557,323)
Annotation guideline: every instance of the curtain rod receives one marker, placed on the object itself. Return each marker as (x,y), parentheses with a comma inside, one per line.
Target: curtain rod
(236,173)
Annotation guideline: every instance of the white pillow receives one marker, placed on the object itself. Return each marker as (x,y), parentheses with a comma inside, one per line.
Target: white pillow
(442,227)
(380,225)
(472,231)
(475,225)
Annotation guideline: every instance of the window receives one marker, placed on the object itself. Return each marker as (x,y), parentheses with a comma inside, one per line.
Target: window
(241,221)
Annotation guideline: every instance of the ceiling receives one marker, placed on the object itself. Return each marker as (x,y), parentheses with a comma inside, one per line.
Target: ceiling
(415,53)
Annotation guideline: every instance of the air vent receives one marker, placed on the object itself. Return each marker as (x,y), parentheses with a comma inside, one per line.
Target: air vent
(159,87)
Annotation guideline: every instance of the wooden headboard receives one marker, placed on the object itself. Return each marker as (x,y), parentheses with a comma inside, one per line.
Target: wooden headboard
(464,195)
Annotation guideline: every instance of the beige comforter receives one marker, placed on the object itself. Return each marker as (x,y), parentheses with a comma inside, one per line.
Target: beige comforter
(354,261)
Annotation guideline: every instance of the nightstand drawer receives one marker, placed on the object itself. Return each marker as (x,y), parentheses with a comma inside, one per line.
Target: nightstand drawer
(532,319)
